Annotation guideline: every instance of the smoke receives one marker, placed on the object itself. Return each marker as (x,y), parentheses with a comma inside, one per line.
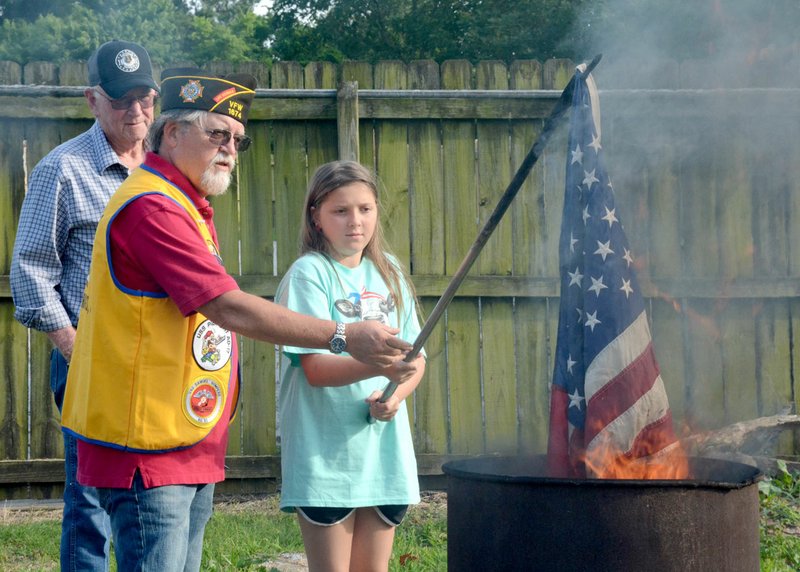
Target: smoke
(736,43)
(700,115)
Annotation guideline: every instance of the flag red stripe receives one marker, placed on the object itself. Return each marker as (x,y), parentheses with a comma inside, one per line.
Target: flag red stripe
(558,439)
(620,393)
(654,437)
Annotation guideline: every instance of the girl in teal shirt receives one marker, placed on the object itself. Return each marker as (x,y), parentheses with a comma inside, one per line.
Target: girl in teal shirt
(349,481)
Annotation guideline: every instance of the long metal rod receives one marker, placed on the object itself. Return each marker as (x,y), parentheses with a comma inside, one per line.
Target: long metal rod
(564,103)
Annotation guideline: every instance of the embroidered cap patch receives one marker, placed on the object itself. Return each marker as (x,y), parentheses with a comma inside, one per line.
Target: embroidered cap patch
(191,91)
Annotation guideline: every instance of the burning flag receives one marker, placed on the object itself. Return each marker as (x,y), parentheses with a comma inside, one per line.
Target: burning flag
(609,412)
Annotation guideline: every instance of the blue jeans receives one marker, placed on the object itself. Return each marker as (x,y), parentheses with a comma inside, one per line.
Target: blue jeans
(85,527)
(160,528)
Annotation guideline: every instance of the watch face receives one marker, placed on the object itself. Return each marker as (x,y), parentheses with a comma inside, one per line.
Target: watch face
(338,345)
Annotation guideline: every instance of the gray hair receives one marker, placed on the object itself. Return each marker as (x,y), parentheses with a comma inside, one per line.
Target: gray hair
(182,116)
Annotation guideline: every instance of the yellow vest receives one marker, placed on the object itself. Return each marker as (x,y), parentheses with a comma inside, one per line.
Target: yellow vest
(143,377)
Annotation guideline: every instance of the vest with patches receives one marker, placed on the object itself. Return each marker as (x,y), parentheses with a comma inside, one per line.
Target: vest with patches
(143,377)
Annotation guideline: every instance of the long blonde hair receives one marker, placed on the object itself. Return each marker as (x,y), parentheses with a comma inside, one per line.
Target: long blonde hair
(326,179)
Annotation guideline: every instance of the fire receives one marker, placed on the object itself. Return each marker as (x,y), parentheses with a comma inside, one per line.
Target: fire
(670,463)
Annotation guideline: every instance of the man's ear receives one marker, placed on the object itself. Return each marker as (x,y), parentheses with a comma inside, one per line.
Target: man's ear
(91,99)
(171,135)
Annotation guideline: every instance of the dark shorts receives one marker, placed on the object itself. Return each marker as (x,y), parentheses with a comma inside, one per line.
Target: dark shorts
(391,514)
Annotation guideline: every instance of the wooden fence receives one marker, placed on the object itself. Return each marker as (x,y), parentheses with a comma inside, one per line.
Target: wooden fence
(707,183)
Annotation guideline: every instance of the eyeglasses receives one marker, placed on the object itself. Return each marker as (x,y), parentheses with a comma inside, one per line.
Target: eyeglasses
(145,101)
(221,137)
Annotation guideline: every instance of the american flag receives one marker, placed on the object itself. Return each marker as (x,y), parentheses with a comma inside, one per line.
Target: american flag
(609,407)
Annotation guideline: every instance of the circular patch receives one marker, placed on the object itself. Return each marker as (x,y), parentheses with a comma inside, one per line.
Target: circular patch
(127,61)
(212,346)
(203,401)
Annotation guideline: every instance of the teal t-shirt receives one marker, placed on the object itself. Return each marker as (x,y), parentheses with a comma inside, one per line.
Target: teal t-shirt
(330,455)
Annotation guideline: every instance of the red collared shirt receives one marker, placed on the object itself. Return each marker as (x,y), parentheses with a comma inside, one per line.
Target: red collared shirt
(155,246)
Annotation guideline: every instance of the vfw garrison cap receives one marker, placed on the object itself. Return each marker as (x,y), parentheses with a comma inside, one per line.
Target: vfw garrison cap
(192,88)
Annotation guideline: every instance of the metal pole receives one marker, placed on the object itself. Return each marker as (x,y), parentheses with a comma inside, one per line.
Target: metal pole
(564,102)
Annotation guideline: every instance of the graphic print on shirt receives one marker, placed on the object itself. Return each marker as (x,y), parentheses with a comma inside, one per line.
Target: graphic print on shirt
(366,306)
(212,346)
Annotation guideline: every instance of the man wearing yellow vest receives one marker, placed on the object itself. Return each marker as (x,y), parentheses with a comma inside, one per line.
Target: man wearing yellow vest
(153,378)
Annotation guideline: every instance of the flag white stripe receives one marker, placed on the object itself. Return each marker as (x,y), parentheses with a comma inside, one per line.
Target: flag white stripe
(621,433)
(617,355)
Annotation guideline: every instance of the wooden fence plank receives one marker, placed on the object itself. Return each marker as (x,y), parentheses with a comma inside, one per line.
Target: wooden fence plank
(40,73)
(462,319)
(557,73)
(321,75)
(668,343)
(430,399)
(46,439)
(706,400)
(253,433)
(494,174)
(10,73)
(427,250)
(467,435)
(226,221)
(291,179)
(14,391)
(701,259)
(426,193)
(73,73)
(534,374)
(738,353)
(347,121)
(424,74)
(12,188)
(391,164)
(527,213)
(498,375)
(529,259)
(360,72)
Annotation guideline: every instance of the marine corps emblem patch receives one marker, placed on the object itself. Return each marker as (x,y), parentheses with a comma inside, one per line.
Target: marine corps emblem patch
(203,401)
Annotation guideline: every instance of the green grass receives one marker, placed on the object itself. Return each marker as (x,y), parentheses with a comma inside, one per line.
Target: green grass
(244,535)
(780,521)
(241,535)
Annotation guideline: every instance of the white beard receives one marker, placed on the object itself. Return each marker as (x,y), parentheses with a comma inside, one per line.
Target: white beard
(215,182)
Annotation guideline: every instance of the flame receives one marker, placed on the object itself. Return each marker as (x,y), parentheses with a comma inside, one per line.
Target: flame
(670,463)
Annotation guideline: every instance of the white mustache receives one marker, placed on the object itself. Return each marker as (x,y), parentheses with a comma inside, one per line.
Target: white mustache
(225,159)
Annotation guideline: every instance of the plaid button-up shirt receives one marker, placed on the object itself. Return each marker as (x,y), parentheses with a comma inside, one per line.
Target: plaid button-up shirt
(67,193)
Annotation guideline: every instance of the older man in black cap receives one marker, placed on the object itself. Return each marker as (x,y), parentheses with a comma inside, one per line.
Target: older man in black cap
(153,381)
(67,192)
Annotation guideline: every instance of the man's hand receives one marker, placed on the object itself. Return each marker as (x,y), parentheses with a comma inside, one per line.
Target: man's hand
(375,343)
(63,339)
(402,371)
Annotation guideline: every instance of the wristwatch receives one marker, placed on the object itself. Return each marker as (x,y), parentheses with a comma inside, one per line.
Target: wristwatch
(338,342)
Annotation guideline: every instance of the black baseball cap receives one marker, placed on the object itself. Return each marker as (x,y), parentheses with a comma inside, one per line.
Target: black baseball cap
(119,66)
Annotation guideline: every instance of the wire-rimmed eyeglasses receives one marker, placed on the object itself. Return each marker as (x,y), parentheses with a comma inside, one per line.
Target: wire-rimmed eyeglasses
(223,136)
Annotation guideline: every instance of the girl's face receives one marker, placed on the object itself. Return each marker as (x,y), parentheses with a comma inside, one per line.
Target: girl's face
(347,218)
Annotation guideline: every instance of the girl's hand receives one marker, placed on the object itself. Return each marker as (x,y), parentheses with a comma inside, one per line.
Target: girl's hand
(401,371)
(382,411)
